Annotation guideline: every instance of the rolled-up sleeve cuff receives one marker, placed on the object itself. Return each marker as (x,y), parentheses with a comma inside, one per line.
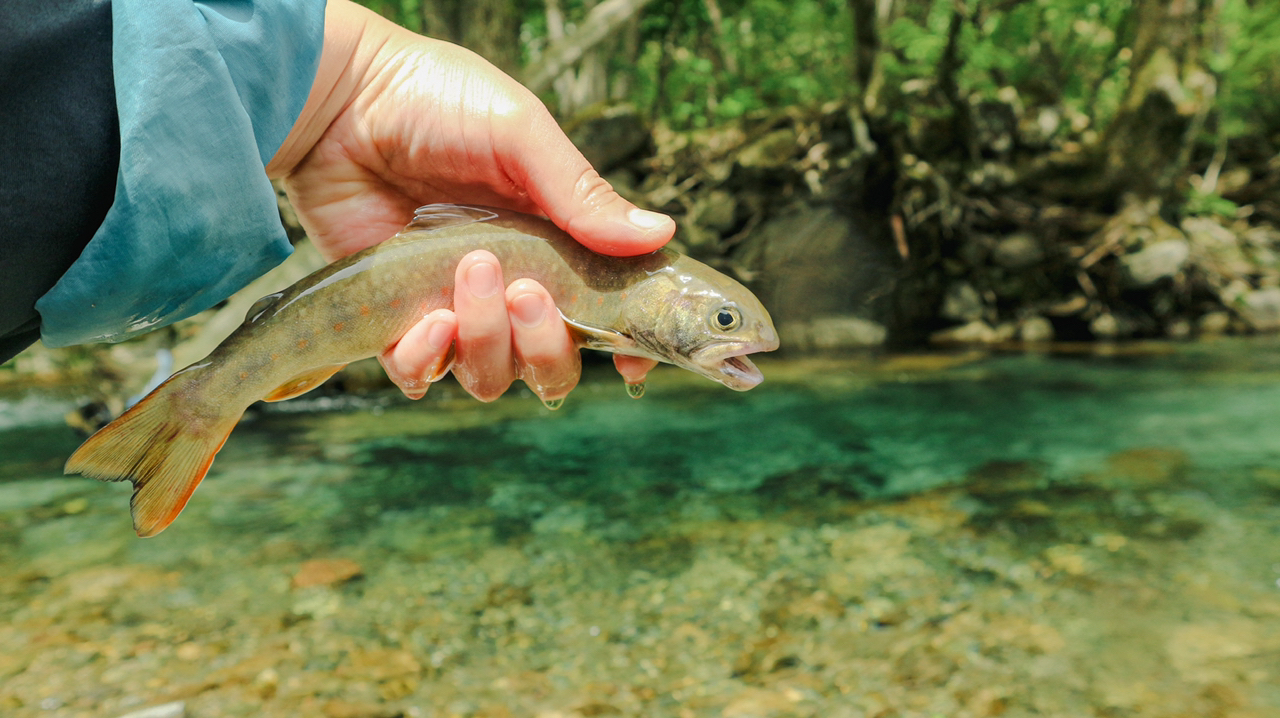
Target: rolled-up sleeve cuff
(206,93)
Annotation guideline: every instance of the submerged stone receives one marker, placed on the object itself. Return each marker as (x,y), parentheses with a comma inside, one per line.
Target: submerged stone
(326,572)
(1157,261)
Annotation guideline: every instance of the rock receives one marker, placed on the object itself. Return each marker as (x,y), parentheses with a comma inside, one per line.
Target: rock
(1214,323)
(962,303)
(772,151)
(833,333)
(1018,251)
(1068,559)
(1146,467)
(1268,478)
(1105,326)
(971,333)
(610,137)
(759,702)
(379,665)
(813,262)
(1157,261)
(1036,329)
(1261,308)
(716,210)
(326,572)
(1210,651)
(870,556)
(346,709)
(1178,329)
(177,709)
(28,494)
(1004,477)
(1206,232)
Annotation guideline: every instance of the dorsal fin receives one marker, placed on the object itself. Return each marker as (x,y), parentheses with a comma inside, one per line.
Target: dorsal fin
(434,217)
(259,307)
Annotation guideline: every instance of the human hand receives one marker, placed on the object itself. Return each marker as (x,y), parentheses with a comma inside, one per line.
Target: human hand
(396,121)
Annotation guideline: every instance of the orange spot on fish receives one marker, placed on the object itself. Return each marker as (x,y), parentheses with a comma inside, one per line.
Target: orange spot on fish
(599,301)
(302,343)
(244,375)
(338,327)
(364,310)
(395,303)
(274,356)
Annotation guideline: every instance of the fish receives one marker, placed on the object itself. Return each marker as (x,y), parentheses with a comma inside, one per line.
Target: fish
(662,305)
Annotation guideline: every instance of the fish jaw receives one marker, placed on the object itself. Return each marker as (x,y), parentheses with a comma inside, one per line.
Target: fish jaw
(728,364)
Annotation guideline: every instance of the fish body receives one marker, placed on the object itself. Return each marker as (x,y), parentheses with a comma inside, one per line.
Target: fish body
(662,305)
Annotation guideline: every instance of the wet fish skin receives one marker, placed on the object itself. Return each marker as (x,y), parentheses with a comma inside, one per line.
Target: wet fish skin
(663,306)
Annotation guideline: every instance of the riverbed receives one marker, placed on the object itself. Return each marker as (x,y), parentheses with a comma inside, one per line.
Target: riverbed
(1079,532)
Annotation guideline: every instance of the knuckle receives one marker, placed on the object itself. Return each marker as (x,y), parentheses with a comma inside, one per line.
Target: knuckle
(593,190)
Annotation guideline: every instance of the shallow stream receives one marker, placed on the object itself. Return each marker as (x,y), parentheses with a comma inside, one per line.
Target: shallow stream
(946,535)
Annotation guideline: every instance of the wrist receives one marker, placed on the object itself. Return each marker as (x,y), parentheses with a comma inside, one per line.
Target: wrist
(352,38)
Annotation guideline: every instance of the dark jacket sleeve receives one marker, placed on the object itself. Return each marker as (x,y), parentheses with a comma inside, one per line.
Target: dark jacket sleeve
(59,149)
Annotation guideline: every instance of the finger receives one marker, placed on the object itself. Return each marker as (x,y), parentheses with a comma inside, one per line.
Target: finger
(423,354)
(541,159)
(549,362)
(484,363)
(633,369)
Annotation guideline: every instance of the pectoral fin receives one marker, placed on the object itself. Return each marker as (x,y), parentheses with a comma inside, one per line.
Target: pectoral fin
(603,338)
(303,383)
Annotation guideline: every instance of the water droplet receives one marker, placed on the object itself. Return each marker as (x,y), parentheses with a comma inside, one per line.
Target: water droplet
(553,404)
(635,391)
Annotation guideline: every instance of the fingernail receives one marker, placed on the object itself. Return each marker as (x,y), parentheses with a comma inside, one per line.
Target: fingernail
(528,310)
(644,219)
(438,334)
(482,280)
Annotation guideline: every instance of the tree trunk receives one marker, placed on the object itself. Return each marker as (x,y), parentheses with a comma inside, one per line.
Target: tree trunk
(1142,151)
(491,28)
(866,39)
(599,24)
(577,87)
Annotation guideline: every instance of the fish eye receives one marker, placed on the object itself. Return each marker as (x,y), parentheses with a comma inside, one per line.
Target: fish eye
(726,319)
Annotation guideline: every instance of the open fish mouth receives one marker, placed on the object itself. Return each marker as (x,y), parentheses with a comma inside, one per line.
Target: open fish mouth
(730,366)
(741,372)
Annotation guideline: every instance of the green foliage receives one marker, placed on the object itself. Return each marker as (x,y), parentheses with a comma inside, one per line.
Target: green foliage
(1051,52)
(406,13)
(680,66)
(767,53)
(1210,203)
(1249,65)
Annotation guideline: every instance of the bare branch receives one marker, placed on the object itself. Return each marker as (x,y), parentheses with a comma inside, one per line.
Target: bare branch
(602,21)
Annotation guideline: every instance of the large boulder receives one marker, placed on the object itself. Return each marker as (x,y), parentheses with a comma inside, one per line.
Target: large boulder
(815,262)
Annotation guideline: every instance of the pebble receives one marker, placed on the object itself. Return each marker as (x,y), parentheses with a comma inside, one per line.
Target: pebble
(326,572)
(177,709)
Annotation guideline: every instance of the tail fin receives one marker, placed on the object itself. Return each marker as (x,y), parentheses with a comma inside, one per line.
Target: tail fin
(161,448)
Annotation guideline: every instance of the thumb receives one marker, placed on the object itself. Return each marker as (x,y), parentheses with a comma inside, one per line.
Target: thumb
(573,194)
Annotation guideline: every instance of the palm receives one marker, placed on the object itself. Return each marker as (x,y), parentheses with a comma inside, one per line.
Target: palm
(430,133)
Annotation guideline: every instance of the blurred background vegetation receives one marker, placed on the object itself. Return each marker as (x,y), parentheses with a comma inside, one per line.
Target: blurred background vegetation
(885,172)
(981,170)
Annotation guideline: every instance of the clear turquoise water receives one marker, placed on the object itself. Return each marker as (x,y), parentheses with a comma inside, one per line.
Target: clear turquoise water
(849,537)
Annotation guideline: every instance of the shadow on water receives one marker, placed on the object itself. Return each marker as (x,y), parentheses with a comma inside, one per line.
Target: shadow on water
(1006,535)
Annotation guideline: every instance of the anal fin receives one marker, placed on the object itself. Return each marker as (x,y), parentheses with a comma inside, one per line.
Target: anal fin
(303,383)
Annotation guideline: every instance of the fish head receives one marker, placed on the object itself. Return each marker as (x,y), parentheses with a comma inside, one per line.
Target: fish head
(691,315)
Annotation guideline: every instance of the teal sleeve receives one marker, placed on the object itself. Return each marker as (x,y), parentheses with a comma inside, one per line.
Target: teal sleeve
(206,93)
